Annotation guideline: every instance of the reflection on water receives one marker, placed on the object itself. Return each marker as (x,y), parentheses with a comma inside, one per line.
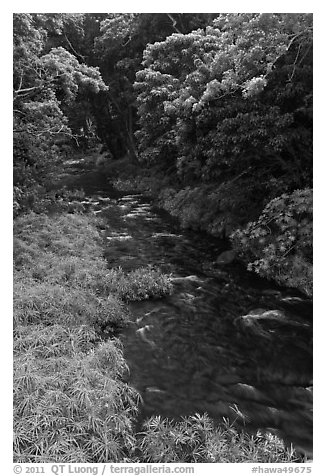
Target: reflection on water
(214,345)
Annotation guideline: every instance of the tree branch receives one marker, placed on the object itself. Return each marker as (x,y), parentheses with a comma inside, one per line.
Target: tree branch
(25,91)
(73,49)
(49,131)
(174,22)
(295,62)
(294,37)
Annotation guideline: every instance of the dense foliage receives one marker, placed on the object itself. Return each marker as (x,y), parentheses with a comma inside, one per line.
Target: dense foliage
(224,103)
(234,98)
(226,112)
(48,83)
(119,49)
(212,114)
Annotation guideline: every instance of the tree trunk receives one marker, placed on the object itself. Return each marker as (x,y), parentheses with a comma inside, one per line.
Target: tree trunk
(131,140)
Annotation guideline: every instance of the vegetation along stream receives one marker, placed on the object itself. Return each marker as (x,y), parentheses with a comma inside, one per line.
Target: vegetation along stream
(163,237)
(225,342)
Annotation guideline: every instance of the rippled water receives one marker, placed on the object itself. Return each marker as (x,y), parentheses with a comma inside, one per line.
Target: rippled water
(191,351)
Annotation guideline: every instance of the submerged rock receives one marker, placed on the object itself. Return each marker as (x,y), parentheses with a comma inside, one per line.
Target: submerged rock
(272,315)
(264,323)
(259,313)
(142,334)
(181,279)
(271,292)
(154,390)
(226,257)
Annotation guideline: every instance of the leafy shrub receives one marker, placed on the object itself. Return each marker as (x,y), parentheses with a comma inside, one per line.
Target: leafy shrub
(197,439)
(217,209)
(279,244)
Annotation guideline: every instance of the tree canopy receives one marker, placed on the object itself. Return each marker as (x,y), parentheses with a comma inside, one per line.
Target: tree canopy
(47,87)
(234,95)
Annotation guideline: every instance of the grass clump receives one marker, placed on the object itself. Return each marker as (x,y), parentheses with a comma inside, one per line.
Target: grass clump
(142,283)
(196,439)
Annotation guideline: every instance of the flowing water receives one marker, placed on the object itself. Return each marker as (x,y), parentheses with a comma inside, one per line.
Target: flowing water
(193,351)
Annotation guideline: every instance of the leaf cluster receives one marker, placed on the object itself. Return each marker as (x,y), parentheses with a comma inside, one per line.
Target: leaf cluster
(196,439)
(279,244)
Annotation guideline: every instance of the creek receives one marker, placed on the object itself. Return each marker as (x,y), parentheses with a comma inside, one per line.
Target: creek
(225,342)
